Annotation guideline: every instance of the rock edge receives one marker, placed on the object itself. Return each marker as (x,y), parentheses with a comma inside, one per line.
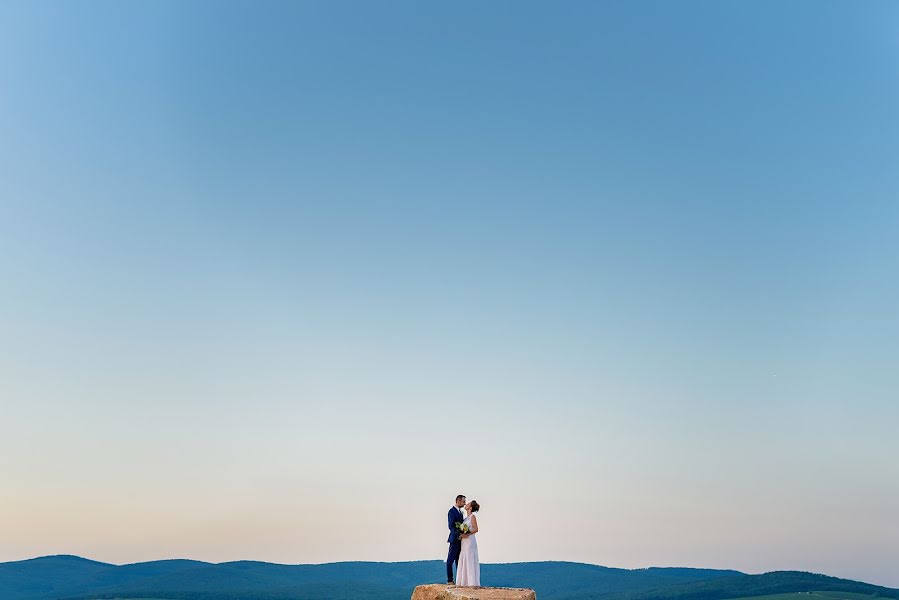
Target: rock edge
(443,591)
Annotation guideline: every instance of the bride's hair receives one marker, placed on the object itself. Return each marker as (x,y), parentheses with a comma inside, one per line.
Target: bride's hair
(475,507)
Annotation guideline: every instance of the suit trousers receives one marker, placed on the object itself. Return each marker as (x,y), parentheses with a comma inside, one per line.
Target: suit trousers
(453,557)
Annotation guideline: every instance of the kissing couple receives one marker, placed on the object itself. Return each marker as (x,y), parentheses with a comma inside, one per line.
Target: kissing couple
(463,545)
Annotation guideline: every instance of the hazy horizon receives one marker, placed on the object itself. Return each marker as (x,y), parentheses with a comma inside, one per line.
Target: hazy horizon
(280,280)
(439,560)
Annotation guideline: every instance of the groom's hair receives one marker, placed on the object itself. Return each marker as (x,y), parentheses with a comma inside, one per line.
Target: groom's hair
(460,497)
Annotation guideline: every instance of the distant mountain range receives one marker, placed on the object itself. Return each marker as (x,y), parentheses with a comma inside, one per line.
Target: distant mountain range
(66,577)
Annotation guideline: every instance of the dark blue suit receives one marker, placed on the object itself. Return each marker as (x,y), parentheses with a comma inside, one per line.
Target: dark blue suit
(455,542)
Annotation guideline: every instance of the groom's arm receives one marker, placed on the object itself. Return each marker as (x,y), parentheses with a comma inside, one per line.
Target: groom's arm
(449,520)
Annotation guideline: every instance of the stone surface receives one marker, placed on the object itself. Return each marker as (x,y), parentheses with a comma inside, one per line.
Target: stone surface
(442,591)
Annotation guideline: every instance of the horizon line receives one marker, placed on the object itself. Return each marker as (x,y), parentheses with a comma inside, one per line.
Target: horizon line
(394,562)
(379,562)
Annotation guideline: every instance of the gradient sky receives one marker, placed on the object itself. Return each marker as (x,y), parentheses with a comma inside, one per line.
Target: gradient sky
(280,277)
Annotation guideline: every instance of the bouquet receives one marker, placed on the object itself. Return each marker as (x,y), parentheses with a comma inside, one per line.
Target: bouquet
(462,528)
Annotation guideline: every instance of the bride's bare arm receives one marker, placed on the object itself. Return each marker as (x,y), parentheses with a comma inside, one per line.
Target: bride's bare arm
(474,524)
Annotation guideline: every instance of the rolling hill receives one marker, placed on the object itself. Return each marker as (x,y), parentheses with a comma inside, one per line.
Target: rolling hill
(65,577)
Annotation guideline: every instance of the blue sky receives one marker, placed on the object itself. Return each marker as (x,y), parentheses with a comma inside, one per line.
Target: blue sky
(626,267)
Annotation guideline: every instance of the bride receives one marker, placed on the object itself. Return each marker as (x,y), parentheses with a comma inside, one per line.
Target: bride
(469,571)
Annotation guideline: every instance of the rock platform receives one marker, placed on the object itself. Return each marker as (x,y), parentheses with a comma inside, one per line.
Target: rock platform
(443,591)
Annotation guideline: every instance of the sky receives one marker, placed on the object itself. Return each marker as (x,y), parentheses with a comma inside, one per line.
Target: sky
(281,279)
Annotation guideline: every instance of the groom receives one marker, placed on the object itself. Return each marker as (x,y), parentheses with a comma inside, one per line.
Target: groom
(455,542)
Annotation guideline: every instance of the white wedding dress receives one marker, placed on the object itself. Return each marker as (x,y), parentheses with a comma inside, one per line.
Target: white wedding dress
(468,572)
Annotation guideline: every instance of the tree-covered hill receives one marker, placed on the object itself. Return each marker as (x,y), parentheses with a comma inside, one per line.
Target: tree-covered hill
(777,582)
(75,578)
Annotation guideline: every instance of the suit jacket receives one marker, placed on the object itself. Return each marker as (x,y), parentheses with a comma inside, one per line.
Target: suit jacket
(452,517)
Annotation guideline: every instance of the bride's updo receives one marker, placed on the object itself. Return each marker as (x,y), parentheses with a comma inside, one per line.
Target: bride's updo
(475,507)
